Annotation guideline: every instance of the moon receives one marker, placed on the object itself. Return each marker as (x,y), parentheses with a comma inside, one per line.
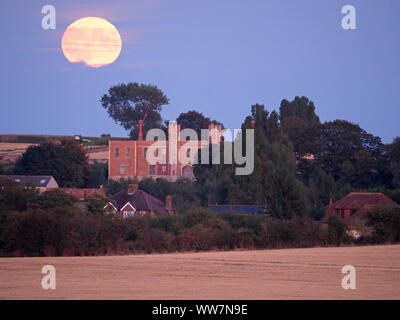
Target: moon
(92,41)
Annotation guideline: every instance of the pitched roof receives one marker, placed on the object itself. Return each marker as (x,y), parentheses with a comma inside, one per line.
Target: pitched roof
(37,181)
(355,200)
(140,200)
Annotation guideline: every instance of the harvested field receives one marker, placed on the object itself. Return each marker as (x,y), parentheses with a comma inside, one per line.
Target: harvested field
(313,273)
(7,148)
(14,150)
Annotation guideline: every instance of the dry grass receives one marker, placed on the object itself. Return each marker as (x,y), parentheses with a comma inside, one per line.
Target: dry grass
(8,148)
(313,273)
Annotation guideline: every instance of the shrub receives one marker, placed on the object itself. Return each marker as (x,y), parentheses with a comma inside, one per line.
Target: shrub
(386,222)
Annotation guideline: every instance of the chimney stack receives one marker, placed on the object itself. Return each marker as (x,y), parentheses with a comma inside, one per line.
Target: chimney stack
(132,188)
(140,130)
(330,201)
(168,203)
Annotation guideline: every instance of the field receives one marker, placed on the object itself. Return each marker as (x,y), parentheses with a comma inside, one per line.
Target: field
(8,148)
(12,151)
(313,273)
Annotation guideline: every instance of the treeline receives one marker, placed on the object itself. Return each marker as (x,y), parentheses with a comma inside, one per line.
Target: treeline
(300,163)
(55,224)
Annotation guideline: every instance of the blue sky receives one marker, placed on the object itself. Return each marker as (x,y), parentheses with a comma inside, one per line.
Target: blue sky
(216,56)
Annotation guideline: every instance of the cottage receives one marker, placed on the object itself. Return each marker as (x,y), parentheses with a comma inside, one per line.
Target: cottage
(135,202)
(43,183)
(353,206)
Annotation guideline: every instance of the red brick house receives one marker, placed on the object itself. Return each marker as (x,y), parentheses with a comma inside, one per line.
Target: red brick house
(353,206)
(135,202)
(127,158)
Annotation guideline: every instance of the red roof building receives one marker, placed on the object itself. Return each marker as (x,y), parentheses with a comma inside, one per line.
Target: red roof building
(353,206)
(135,202)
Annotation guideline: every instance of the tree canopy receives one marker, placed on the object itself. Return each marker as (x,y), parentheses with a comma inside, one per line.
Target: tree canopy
(129,103)
(195,120)
(67,163)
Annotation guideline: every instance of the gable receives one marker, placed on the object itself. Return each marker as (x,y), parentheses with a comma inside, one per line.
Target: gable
(110,206)
(128,207)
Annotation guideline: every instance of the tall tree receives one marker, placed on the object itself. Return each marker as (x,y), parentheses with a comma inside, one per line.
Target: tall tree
(322,188)
(67,163)
(394,161)
(195,120)
(350,154)
(129,103)
(301,124)
(273,181)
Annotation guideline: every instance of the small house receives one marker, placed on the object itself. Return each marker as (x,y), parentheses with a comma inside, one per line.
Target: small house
(353,206)
(43,183)
(135,202)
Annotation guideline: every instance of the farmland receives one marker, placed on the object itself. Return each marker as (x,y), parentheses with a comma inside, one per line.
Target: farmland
(10,151)
(312,273)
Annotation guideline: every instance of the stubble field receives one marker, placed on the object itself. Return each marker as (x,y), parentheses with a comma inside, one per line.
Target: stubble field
(313,273)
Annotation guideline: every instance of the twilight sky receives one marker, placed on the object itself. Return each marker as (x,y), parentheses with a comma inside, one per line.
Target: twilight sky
(216,56)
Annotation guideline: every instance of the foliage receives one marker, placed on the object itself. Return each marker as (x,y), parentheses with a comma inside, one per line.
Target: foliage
(336,229)
(113,186)
(98,175)
(194,120)
(322,188)
(129,103)
(350,154)
(386,222)
(14,196)
(301,124)
(52,199)
(394,161)
(66,162)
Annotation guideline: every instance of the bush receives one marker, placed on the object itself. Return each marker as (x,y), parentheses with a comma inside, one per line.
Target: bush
(336,229)
(386,222)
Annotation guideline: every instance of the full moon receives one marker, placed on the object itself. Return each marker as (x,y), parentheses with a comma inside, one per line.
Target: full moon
(92,41)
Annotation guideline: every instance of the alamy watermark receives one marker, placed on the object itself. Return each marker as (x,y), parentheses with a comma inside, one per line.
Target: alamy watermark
(349,280)
(210,139)
(49,20)
(49,280)
(349,20)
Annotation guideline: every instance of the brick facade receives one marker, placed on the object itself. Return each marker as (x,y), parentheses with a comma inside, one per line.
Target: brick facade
(127,158)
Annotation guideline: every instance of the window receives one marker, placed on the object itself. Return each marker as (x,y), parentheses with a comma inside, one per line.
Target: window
(127,214)
(123,169)
(157,152)
(164,168)
(188,153)
(152,170)
(128,152)
(116,152)
(145,152)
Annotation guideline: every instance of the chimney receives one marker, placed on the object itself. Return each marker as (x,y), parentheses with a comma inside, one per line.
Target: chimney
(132,188)
(168,202)
(140,130)
(330,201)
